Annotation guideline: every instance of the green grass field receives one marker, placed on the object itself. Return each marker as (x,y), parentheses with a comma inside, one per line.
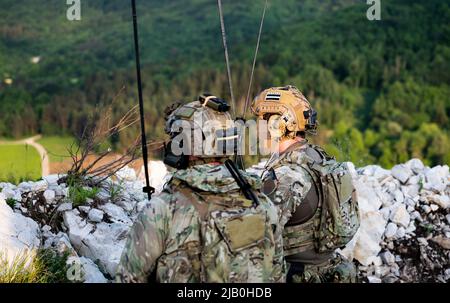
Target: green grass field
(57,147)
(19,163)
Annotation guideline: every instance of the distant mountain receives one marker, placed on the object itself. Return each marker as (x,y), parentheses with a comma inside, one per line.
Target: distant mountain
(382,87)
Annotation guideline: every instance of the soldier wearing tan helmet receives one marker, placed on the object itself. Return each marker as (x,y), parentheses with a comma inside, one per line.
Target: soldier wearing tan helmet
(205,226)
(314,193)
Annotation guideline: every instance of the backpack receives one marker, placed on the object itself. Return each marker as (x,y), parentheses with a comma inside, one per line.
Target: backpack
(337,219)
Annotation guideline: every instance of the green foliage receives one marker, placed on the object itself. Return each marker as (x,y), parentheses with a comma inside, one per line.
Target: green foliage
(55,265)
(11,202)
(115,189)
(381,88)
(42,266)
(79,194)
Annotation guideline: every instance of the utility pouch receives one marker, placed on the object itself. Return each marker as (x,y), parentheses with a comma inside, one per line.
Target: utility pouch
(241,232)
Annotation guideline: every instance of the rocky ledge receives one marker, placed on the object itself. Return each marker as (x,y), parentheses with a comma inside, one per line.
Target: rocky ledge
(404,234)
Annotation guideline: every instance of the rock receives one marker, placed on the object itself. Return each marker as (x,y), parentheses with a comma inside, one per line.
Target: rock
(24,186)
(368,199)
(426,209)
(49,196)
(78,229)
(8,193)
(84,270)
(368,237)
(399,196)
(61,243)
(434,207)
(401,172)
(116,214)
(385,211)
(95,215)
(373,279)
(52,180)
(84,209)
(437,175)
(391,230)
(387,257)
(447,217)
(422,241)
(65,207)
(447,274)
(126,174)
(442,201)
(411,228)
(39,186)
(415,165)
(401,232)
(400,216)
(352,169)
(443,242)
(410,202)
(18,234)
(390,278)
(105,245)
(375,171)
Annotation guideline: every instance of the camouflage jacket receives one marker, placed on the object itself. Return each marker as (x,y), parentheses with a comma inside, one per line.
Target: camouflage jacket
(202,229)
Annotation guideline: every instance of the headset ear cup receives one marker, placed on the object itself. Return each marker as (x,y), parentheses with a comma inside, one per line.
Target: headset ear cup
(178,162)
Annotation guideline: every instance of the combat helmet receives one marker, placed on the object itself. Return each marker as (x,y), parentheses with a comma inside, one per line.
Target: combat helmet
(287,110)
(203,129)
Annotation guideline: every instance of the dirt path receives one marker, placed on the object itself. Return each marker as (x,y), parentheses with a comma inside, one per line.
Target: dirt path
(45,163)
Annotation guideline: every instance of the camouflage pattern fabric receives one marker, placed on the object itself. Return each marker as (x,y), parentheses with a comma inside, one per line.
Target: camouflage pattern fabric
(202,229)
(294,181)
(335,270)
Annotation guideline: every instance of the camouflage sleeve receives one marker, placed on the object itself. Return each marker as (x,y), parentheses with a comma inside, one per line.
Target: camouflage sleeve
(293,185)
(145,243)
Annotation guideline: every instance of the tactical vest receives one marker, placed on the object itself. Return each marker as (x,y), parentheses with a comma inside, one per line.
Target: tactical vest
(327,218)
(235,242)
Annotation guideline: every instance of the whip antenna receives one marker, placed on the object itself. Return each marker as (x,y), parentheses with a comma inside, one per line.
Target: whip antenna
(147,189)
(247,100)
(227,59)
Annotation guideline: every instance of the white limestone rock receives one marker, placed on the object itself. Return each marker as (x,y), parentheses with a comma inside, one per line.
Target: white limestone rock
(391,230)
(78,228)
(442,201)
(49,196)
(387,257)
(105,245)
(400,216)
(96,215)
(415,165)
(18,234)
(39,186)
(82,269)
(65,207)
(116,214)
(401,172)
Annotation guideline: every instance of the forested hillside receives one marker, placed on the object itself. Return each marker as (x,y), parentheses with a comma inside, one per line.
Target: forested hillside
(382,88)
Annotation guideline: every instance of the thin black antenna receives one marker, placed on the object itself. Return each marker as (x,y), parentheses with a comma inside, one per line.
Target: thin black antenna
(147,189)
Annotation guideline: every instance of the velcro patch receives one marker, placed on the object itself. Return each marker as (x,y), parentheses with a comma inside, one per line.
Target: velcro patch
(273,97)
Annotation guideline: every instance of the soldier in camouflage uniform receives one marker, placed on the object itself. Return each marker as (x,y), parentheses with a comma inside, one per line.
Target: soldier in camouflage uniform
(314,193)
(202,228)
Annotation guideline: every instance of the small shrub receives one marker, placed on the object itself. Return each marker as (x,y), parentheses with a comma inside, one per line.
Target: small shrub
(54,264)
(115,190)
(11,202)
(79,195)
